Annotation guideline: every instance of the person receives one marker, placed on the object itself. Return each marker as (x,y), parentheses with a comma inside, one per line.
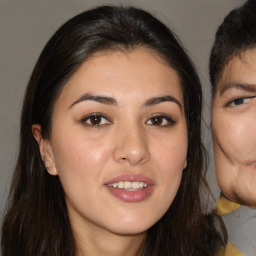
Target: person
(233,79)
(110,160)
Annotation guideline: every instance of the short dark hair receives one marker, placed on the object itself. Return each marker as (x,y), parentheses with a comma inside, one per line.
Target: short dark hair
(36,221)
(235,35)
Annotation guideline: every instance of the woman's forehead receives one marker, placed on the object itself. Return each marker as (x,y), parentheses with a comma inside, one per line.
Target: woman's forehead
(113,73)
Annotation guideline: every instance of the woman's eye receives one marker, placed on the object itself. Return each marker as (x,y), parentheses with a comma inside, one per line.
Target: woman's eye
(240,101)
(160,120)
(95,120)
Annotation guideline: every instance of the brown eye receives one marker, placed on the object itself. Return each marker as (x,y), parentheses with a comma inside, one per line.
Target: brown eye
(156,120)
(161,120)
(95,120)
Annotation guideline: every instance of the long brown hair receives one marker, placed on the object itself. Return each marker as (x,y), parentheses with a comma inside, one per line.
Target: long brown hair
(36,220)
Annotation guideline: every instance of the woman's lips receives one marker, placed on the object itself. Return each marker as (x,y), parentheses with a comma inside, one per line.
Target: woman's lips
(130,188)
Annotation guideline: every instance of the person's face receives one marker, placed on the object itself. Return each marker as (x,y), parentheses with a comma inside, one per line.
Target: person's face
(119,141)
(234,129)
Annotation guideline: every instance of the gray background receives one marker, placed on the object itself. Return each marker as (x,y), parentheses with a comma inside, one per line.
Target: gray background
(26,25)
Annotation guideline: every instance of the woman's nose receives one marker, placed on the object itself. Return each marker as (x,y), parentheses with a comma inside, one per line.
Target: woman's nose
(131,146)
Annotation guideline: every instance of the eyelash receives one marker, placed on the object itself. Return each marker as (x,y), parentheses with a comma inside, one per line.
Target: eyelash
(238,100)
(163,117)
(95,115)
(153,120)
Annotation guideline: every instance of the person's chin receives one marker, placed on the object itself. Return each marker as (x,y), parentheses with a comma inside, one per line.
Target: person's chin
(245,199)
(130,230)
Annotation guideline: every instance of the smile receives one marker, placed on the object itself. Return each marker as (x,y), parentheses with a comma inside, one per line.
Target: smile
(252,164)
(129,186)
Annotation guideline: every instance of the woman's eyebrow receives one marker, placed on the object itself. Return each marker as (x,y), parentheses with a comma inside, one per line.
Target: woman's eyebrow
(112,101)
(158,100)
(239,86)
(97,98)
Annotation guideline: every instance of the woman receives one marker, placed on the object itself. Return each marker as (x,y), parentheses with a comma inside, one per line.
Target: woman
(110,156)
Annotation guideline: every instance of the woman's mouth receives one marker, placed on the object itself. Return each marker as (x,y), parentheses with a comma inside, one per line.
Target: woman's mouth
(131,188)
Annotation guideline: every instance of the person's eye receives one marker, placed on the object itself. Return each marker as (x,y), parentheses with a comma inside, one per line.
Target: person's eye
(95,120)
(160,120)
(240,101)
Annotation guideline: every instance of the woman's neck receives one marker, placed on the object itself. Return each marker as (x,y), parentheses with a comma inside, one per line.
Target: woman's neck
(99,243)
(115,246)
(94,240)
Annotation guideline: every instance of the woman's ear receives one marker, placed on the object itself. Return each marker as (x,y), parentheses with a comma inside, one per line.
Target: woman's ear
(185,164)
(45,149)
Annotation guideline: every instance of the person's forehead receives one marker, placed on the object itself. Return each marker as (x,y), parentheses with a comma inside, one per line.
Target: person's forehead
(241,69)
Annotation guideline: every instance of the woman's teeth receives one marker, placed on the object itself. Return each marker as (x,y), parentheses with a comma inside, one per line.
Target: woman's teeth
(252,164)
(131,186)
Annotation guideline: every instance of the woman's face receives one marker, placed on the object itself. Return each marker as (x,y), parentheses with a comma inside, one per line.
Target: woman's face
(119,141)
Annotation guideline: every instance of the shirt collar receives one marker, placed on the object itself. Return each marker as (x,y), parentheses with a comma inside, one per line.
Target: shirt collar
(224,206)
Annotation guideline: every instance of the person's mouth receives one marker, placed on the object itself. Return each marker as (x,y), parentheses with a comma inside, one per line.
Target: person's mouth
(131,188)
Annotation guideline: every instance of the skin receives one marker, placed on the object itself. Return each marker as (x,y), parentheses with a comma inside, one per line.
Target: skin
(127,140)
(234,126)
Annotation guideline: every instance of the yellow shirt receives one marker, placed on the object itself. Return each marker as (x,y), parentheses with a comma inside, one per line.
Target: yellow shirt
(225,206)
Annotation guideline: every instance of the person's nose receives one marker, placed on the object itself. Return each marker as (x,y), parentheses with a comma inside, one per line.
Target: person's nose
(131,145)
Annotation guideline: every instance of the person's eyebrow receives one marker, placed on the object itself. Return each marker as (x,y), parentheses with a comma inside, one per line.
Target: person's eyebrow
(240,86)
(98,98)
(158,100)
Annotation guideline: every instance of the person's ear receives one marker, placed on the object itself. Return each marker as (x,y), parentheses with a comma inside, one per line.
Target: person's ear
(185,164)
(45,149)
